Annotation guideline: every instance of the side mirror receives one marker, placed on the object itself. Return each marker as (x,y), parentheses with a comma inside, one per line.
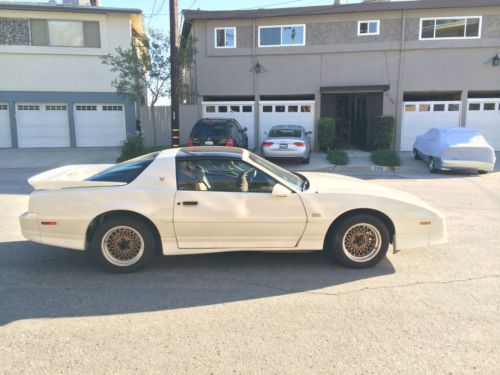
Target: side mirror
(266,132)
(309,132)
(245,129)
(281,191)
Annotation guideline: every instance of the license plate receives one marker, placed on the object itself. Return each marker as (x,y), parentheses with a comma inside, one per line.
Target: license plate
(209,143)
(283,145)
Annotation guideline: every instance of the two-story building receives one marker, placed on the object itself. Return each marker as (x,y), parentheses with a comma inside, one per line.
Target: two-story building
(54,89)
(426,63)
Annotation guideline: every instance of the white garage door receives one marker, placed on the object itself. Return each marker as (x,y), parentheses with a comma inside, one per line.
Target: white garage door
(483,115)
(286,113)
(99,125)
(5,137)
(42,125)
(243,112)
(418,117)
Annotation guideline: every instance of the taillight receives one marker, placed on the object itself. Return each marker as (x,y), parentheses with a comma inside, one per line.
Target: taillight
(267,144)
(299,144)
(230,142)
(190,142)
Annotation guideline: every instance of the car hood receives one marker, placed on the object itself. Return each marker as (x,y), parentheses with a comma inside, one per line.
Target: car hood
(334,183)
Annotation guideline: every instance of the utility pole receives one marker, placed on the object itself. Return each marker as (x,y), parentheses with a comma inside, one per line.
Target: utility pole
(174,74)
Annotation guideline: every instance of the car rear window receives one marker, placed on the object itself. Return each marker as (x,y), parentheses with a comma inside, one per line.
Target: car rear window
(204,129)
(127,171)
(294,133)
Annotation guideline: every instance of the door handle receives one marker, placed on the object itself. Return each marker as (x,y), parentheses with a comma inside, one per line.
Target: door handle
(190,203)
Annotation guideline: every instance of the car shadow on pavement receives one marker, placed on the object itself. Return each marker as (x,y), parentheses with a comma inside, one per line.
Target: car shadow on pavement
(38,281)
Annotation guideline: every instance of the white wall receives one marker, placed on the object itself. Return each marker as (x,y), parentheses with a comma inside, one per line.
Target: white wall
(27,68)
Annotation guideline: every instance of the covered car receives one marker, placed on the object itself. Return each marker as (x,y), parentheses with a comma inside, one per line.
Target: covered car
(454,149)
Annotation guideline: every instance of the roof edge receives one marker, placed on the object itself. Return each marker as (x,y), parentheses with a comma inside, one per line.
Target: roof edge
(66,8)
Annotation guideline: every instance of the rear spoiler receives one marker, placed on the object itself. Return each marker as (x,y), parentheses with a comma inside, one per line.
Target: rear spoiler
(71,176)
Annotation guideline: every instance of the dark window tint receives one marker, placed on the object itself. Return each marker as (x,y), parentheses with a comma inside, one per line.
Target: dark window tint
(222,175)
(91,34)
(489,106)
(439,107)
(247,108)
(280,108)
(267,108)
(127,171)
(472,27)
(294,133)
(204,129)
(270,36)
(428,29)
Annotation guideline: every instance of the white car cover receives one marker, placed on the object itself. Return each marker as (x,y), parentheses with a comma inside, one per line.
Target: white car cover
(455,143)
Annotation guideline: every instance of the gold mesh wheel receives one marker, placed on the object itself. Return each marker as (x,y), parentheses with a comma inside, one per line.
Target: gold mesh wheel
(122,246)
(361,242)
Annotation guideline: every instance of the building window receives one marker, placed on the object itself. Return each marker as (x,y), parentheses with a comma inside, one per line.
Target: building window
(474,107)
(86,108)
(210,109)
(279,108)
(281,36)
(56,33)
(453,107)
(28,107)
(247,108)
(225,37)
(55,107)
(489,106)
(439,107)
(3,107)
(305,108)
(222,109)
(267,108)
(369,27)
(112,108)
(293,108)
(424,108)
(410,108)
(450,28)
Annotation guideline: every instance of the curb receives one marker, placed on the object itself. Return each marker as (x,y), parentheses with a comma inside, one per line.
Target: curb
(372,169)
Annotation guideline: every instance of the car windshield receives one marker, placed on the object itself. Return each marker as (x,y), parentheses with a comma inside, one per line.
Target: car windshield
(127,171)
(298,181)
(204,130)
(288,133)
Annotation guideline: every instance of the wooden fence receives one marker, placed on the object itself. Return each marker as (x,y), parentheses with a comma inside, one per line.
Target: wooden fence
(160,133)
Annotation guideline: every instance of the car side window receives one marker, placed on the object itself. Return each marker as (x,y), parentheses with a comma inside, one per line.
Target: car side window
(222,175)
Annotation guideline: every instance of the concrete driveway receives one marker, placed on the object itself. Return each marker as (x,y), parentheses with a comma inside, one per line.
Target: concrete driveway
(430,310)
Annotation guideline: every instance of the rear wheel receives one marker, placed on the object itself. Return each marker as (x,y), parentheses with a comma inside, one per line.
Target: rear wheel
(306,160)
(482,172)
(359,241)
(415,154)
(123,244)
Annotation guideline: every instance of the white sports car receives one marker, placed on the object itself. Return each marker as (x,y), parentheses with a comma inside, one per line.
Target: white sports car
(211,199)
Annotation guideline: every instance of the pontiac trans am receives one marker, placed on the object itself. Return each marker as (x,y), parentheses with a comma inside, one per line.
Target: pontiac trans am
(195,200)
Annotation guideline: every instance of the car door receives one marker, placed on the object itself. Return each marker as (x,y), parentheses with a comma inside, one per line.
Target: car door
(227,203)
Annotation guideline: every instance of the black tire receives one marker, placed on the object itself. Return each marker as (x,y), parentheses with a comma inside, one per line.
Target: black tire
(307,160)
(135,230)
(415,154)
(482,172)
(335,249)
(431,166)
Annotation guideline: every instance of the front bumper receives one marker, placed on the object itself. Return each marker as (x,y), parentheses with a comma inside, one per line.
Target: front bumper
(466,164)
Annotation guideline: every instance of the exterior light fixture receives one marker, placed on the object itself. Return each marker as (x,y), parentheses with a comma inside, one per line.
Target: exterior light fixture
(258,68)
(495,60)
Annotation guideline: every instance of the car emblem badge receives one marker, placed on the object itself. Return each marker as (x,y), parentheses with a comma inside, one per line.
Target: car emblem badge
(162,179)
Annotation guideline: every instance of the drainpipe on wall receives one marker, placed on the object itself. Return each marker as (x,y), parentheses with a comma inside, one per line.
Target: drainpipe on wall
(256,110)
(399,101)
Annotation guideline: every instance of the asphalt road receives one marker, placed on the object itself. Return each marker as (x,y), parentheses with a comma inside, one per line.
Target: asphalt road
(431,310)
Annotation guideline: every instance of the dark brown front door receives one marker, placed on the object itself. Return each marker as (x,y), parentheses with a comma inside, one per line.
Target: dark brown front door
(354,115)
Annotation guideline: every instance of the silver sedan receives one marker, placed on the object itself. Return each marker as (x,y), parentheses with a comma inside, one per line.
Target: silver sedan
(287,141)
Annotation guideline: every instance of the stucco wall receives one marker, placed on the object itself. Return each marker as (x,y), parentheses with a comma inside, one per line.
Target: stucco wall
(14,31)
(30,68)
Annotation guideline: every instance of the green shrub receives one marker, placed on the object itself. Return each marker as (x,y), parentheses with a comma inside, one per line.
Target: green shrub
(326,133)
(388,158)
(383,134)
(132,147)
(338,157)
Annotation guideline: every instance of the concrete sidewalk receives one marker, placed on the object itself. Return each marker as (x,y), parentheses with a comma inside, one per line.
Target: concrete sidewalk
(14,158)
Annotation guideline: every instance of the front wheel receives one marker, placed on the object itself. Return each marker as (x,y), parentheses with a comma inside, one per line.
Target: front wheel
(415,154)
(123,244)
(359,241)
(432,167)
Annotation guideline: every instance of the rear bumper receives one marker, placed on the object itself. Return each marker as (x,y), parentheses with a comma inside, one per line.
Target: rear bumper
(29,226)
(284,153)
(466,164)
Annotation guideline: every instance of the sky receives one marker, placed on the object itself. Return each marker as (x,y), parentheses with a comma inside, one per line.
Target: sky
(156,11)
